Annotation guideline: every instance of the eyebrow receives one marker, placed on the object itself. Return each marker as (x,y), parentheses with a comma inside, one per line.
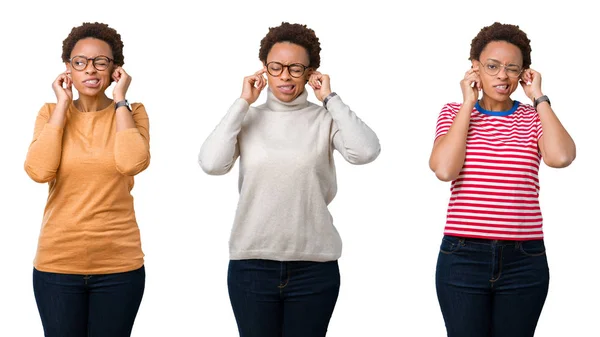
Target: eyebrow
(288,64)
(510,64)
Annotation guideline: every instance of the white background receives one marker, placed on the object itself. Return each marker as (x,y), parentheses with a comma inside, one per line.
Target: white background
(394,66)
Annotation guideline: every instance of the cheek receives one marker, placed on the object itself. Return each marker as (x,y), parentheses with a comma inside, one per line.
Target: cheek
(485,81)
(301,82)
(270,79)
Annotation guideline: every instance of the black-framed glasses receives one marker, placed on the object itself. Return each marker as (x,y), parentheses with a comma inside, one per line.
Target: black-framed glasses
(492,68)
(296,70)
(80,62)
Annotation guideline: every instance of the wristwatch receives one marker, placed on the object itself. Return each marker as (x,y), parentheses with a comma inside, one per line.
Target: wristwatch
(330,96)
(539,100)
(123,103)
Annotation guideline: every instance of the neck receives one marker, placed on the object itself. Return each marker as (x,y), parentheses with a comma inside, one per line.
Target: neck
(92,103)
(298,103)
(492,105)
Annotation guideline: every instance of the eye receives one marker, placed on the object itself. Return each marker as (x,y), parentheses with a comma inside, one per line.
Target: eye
(296,69)
(492,66)
(513,70)
(79,62)
(101,63)
(275,67)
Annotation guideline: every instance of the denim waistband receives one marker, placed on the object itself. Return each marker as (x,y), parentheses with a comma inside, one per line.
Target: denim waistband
(486,241)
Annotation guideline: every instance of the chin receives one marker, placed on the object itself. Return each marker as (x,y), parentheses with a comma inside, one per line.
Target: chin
(287,98)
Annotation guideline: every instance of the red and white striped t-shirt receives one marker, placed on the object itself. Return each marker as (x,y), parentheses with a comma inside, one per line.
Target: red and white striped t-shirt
(496,194)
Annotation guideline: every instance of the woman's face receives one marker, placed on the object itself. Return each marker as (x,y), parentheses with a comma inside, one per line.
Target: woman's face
(504,58)
(88,79)
(285,86)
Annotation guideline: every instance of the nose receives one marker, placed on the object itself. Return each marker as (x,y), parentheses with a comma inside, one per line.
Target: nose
(89,68)
(502,73)
(285,73)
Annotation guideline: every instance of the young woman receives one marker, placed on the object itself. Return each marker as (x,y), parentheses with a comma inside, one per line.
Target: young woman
(492,273)
(283,275)
(89,268)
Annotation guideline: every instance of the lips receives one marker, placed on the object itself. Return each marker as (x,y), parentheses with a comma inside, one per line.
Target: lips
(501,89)
(91,82)
(286,89)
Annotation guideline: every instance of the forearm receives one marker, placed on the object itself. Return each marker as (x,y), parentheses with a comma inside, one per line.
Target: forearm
(132,139)
(58,116)
(220,150)
(124,119)
(558,146)
(132,152)
(354,139)
(44,154)
(449,151)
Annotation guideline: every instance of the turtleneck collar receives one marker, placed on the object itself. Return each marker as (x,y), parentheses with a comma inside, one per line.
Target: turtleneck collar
(273,103)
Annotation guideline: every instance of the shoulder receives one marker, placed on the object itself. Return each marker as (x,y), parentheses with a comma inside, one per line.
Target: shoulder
(46,110)
(526,108)
(526,112)
(450,109)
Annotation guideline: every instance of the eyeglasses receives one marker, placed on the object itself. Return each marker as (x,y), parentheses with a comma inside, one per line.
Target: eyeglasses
(80,62)
(296,70)
(492,68)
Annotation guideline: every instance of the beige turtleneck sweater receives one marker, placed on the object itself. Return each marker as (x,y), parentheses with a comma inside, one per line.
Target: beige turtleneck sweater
(287,174)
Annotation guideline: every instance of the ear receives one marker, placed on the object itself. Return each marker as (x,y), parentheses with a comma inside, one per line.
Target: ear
(309,71)
(68,66)
(475,64)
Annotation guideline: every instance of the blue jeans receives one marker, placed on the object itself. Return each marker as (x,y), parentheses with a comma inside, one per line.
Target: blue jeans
(491,288)
(289,299)
(88,305)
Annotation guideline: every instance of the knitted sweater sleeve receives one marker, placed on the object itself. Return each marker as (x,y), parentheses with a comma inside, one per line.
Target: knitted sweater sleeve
(221,149)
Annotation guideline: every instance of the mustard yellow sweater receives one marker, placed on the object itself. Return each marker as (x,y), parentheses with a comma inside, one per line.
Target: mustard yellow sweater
(89,224)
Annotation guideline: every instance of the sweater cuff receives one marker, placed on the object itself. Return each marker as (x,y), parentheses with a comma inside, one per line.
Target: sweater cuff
(52,128)
(334,103)
(240,105)
(127,131)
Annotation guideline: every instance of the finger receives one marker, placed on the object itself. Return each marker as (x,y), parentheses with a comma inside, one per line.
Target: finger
(256,81)
(471,72)
(478,81)
(263,84)
(528,77)
(250,80)
(316,80)
(314,83)
(474,81)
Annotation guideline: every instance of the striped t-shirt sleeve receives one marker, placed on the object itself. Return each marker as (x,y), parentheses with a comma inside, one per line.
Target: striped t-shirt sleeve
(445,119)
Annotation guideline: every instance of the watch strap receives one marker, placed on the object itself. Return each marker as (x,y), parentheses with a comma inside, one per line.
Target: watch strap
(330,96)
(124,103)
(541,99)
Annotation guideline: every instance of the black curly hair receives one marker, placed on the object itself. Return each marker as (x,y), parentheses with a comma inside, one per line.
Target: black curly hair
(99,31)
(502,32)
(294,33)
